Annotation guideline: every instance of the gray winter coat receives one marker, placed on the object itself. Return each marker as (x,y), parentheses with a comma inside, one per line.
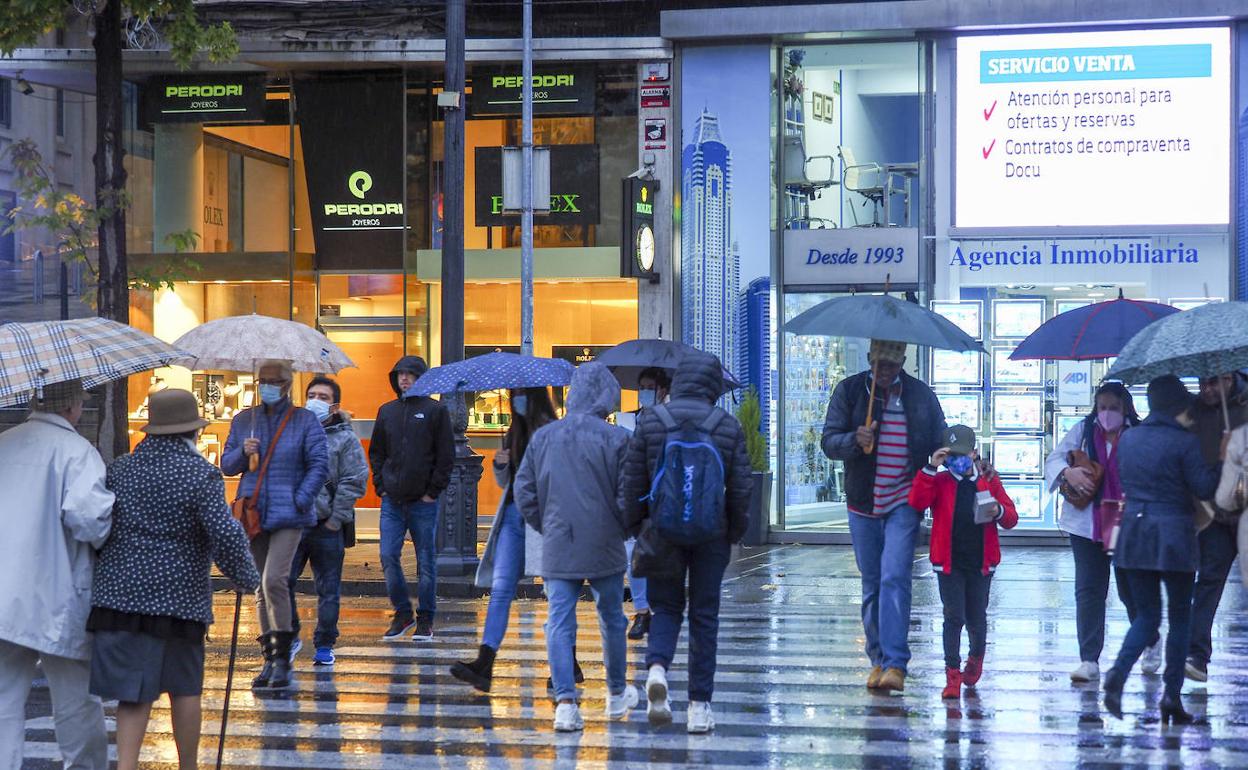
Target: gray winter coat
(568,484)
(348,473)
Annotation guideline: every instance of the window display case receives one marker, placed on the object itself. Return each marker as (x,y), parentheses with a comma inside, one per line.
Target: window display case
(967,316)
(961,408)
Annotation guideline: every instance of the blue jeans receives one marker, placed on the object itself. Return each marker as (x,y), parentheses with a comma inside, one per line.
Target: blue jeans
(705,565)
(1218,549)
(1146,593)
(1092,566)
(561,632)
(420,519)
(636,584)
(508,568)
(325,549)
(884,550)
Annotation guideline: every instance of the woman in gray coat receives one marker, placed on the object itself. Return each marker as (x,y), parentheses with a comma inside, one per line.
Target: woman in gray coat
(1162,472)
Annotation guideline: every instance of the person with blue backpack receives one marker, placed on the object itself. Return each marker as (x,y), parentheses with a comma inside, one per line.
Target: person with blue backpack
(686,488)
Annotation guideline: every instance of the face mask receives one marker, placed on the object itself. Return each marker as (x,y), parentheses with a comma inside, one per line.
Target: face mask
(960,464)
(646,398)
(519,405)
(270,394)
(1110,420)
(319,408)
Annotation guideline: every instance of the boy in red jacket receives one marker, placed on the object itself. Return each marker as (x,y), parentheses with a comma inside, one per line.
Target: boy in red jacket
(967,506)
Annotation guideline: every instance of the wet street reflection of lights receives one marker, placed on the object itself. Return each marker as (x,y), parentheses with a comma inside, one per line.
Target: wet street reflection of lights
(790,690)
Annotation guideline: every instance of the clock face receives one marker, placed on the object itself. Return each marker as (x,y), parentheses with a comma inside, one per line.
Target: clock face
(645,248)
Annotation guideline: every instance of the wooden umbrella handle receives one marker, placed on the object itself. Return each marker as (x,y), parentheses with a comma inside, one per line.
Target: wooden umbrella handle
(870,448)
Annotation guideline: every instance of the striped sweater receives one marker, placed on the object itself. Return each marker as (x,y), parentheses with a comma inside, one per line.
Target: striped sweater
(893,476)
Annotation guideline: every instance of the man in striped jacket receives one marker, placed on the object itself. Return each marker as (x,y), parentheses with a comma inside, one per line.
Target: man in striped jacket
(881,457)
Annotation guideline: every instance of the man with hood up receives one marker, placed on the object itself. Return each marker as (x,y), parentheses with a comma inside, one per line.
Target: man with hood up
(698,383)
(567,488)
(411,453)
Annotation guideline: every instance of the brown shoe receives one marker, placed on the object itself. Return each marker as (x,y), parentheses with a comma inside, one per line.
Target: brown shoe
(893,679)
(873,679)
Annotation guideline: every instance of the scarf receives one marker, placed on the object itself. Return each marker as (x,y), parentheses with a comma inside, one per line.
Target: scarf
(1111,482)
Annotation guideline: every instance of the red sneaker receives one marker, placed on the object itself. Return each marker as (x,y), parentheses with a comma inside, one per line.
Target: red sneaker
(973,671)
(953,684)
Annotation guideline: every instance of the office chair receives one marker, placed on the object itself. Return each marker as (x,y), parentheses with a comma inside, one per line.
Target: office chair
(866,179)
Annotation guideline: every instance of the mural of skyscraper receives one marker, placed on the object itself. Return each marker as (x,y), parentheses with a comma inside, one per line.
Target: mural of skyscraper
(753,364)
(710,262)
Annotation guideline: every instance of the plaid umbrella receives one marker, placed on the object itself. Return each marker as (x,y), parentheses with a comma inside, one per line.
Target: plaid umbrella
(239,343)
(94,350)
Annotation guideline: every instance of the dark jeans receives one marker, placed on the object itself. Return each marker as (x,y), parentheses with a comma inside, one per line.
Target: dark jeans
(705,565)
(1146,593)
(325,549)
(1092,566)
(420,520)
(1218,549)
(964,593)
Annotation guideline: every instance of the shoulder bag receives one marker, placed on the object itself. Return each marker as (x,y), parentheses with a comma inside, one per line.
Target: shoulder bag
(246,509)
(1077,458)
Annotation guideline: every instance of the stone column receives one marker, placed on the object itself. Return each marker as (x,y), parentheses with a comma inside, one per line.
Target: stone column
(177,182)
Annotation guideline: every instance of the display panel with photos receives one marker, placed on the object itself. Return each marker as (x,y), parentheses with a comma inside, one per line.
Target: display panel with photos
(961,408)
(1066,305)
(967,315)
(1016,317)
(1017,411)
(950,367)
(1028,497)
(1008,372)
(1018,456)
(1062,424)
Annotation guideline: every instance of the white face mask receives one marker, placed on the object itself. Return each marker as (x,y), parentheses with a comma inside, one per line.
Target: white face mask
(646,398)
(319,408)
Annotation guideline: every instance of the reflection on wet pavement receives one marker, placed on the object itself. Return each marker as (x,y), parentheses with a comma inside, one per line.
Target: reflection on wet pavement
(789,691)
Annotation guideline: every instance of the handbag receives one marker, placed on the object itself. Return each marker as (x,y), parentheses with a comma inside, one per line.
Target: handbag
(654,557)
(246,509)
(1077,458)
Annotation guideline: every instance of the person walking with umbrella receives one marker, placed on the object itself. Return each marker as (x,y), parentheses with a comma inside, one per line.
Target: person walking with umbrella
(152,594)
(1221,408)
(1090,503)
(509,548)
(884,425)
(291,467)
(411,454)
(1162,471)
(57,512)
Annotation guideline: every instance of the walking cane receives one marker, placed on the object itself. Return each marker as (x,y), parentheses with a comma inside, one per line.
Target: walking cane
(229,677)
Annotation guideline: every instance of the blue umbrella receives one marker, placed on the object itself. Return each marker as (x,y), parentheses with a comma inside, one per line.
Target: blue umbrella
(1090,332)
(493,371)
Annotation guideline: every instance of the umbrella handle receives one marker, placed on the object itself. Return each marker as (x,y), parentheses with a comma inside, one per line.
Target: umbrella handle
(870,448)
(1226,415)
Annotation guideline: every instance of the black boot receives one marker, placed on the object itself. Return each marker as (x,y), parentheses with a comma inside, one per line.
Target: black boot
(577,674)
(480,672)
(266,672)
(1172,711)
(1113,692)
(280,678)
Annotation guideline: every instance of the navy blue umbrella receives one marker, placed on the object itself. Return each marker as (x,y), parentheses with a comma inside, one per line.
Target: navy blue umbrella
(493,371)
(1090,332)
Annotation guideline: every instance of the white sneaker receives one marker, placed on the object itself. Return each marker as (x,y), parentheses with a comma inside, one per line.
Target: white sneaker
(568,718)
(619,705)
(700,718)
(1150,663)
(295,647)
(1088,671)
(658,707)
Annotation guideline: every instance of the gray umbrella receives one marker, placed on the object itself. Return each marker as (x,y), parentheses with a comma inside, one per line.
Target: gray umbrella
(882,317)
(628,360)
(1202,342)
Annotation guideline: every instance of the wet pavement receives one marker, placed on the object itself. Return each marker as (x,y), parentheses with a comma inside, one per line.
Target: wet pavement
(789,692)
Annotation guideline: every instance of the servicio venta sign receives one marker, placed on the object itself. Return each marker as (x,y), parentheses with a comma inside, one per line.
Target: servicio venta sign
(209,97)
(851,256)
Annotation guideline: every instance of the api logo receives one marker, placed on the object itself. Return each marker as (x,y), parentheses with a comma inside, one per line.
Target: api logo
(1075,378)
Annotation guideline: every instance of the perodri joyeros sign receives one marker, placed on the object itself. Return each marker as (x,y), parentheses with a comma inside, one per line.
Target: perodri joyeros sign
(202,98)
(359,183)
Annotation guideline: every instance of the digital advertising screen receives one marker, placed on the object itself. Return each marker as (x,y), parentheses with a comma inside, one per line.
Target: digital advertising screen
(1093,129)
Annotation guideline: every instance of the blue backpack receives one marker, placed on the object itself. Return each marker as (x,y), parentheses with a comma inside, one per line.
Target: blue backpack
(687,492)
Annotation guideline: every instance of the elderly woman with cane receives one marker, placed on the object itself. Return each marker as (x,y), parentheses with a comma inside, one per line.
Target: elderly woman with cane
(152,593)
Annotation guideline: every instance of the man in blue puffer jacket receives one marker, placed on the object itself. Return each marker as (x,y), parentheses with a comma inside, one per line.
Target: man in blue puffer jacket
(295,475)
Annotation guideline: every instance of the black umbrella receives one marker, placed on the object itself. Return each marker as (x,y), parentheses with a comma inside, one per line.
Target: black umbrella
(629,359)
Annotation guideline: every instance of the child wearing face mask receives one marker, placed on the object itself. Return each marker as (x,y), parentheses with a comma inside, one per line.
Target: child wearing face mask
(967,507)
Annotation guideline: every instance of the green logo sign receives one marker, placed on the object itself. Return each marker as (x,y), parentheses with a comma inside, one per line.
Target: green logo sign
(560,203)
(360,183)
